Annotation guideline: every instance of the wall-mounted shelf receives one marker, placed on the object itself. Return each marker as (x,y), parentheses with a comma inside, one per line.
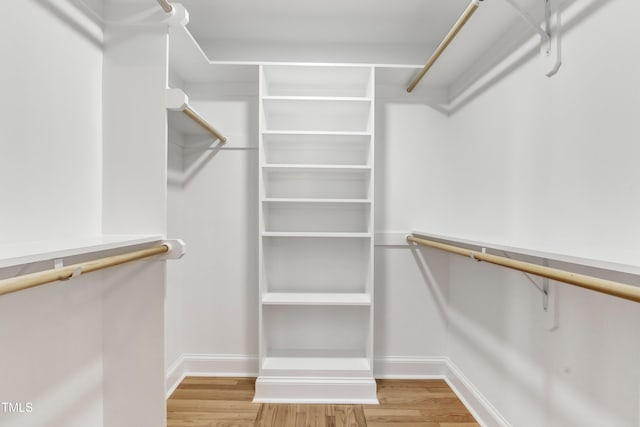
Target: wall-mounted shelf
(551,256)
(30,252)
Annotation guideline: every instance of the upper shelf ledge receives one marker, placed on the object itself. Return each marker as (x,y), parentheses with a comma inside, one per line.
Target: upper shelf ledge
(29,252)
(588,262)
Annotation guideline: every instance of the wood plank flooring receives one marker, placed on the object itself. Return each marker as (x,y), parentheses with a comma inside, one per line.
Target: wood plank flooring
(226,402)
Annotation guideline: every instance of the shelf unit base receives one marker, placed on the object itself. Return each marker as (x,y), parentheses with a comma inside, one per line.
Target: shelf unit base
(313,390)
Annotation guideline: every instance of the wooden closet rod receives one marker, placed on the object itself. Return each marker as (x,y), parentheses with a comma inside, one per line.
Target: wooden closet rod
(621,290)
(166,6)
(443,45)
(27,281)
(202,122)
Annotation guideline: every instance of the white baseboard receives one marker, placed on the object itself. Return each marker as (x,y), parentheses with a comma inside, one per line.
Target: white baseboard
(174,376)
(350,391)
(402,367)
(481,409)
(210,365)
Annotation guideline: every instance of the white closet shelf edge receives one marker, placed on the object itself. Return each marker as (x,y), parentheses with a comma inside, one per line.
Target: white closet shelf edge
(314,132)
(311,200)
(35,251)
(302,298)
(318,98)
(589,262)
(315,234)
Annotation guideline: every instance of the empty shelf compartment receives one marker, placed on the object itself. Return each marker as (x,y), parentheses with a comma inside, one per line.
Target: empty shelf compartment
(305,80)
(317,115)
(317,149)
(317,264)
(319,183)
(317,217)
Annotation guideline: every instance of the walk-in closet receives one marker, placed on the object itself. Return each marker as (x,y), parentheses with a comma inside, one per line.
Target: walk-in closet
(337,213)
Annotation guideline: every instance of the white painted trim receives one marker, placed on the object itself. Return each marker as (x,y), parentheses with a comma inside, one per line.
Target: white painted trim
(482,410)
(315,390)
(174,376)
(210,365)
(403,367)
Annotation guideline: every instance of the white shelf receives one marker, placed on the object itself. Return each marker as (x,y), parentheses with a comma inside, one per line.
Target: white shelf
(285,200)
(189,62)
(29,252)
(303,298)
(316,132)
(317,98)
(319,234)
(283,167)
(589,262)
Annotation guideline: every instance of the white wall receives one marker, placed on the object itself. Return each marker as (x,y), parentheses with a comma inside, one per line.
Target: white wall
(50,123)
(214,319)
(549,164)
(50,187)
(410,293)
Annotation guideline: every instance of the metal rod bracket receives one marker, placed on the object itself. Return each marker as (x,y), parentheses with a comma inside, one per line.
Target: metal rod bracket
(549,33)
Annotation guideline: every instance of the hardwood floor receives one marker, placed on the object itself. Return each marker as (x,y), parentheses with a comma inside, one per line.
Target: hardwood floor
(226,402)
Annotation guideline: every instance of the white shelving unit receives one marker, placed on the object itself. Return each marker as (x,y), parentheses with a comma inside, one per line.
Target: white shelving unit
(316,234)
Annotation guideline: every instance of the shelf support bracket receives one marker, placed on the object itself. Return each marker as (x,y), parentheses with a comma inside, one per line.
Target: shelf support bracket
(549,296)
(549,34)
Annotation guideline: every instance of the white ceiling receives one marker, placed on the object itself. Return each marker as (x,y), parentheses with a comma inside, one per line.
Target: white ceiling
(342,22)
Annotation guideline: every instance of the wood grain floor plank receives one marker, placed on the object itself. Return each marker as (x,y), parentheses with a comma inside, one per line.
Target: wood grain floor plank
(227,402)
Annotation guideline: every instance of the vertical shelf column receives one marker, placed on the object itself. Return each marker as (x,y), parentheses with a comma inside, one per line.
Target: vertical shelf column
(316,234)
